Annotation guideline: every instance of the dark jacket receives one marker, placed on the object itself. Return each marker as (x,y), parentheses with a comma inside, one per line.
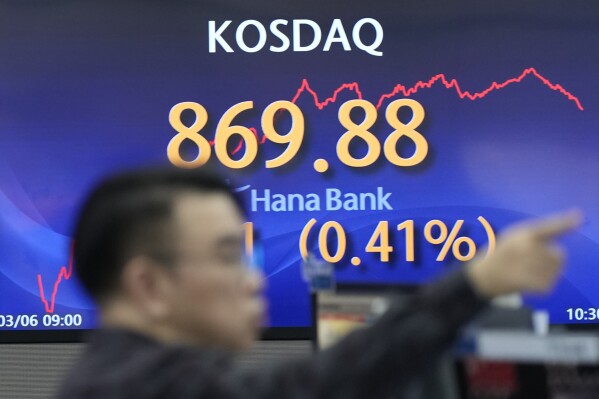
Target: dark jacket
(370,363)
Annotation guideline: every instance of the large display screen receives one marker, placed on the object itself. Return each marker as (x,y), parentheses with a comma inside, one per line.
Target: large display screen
(393,139)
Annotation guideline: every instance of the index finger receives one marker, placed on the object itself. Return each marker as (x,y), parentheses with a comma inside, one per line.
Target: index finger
(553,226)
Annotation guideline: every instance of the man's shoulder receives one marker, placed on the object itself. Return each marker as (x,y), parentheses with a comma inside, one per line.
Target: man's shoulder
(120,363)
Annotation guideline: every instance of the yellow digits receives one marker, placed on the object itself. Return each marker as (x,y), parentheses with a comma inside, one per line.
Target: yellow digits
(407,130)
(173,150)
(295,136)
(390,145)
(323,239)
(381,233)
(361,131)
(224,131)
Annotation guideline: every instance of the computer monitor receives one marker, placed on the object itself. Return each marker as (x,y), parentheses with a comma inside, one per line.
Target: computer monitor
(351,307)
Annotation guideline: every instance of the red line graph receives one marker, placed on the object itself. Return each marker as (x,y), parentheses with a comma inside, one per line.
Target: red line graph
(63,273)
(400,89)
(449,84)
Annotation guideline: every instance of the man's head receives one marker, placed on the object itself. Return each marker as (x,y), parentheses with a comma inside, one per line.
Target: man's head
(160,250)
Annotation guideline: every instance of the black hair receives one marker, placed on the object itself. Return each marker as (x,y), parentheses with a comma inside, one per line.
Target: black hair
(129,213)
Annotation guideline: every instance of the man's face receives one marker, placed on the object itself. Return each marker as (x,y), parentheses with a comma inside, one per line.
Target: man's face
(213,298)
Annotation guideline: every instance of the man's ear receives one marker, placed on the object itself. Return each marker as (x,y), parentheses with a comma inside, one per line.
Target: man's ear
(147,285)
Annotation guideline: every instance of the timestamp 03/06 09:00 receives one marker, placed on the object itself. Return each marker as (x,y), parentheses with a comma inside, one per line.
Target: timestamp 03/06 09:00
(583,314)
(47,320)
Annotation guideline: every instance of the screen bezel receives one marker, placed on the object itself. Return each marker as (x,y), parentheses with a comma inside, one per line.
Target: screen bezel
(79,336)
(307,333)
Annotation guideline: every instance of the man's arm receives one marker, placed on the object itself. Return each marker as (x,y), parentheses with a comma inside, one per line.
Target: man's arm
(375,361)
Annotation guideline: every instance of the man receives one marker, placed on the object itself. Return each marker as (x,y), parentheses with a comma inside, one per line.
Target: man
(160,252)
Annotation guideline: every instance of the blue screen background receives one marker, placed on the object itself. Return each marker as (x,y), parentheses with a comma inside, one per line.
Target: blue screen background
(86,88)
